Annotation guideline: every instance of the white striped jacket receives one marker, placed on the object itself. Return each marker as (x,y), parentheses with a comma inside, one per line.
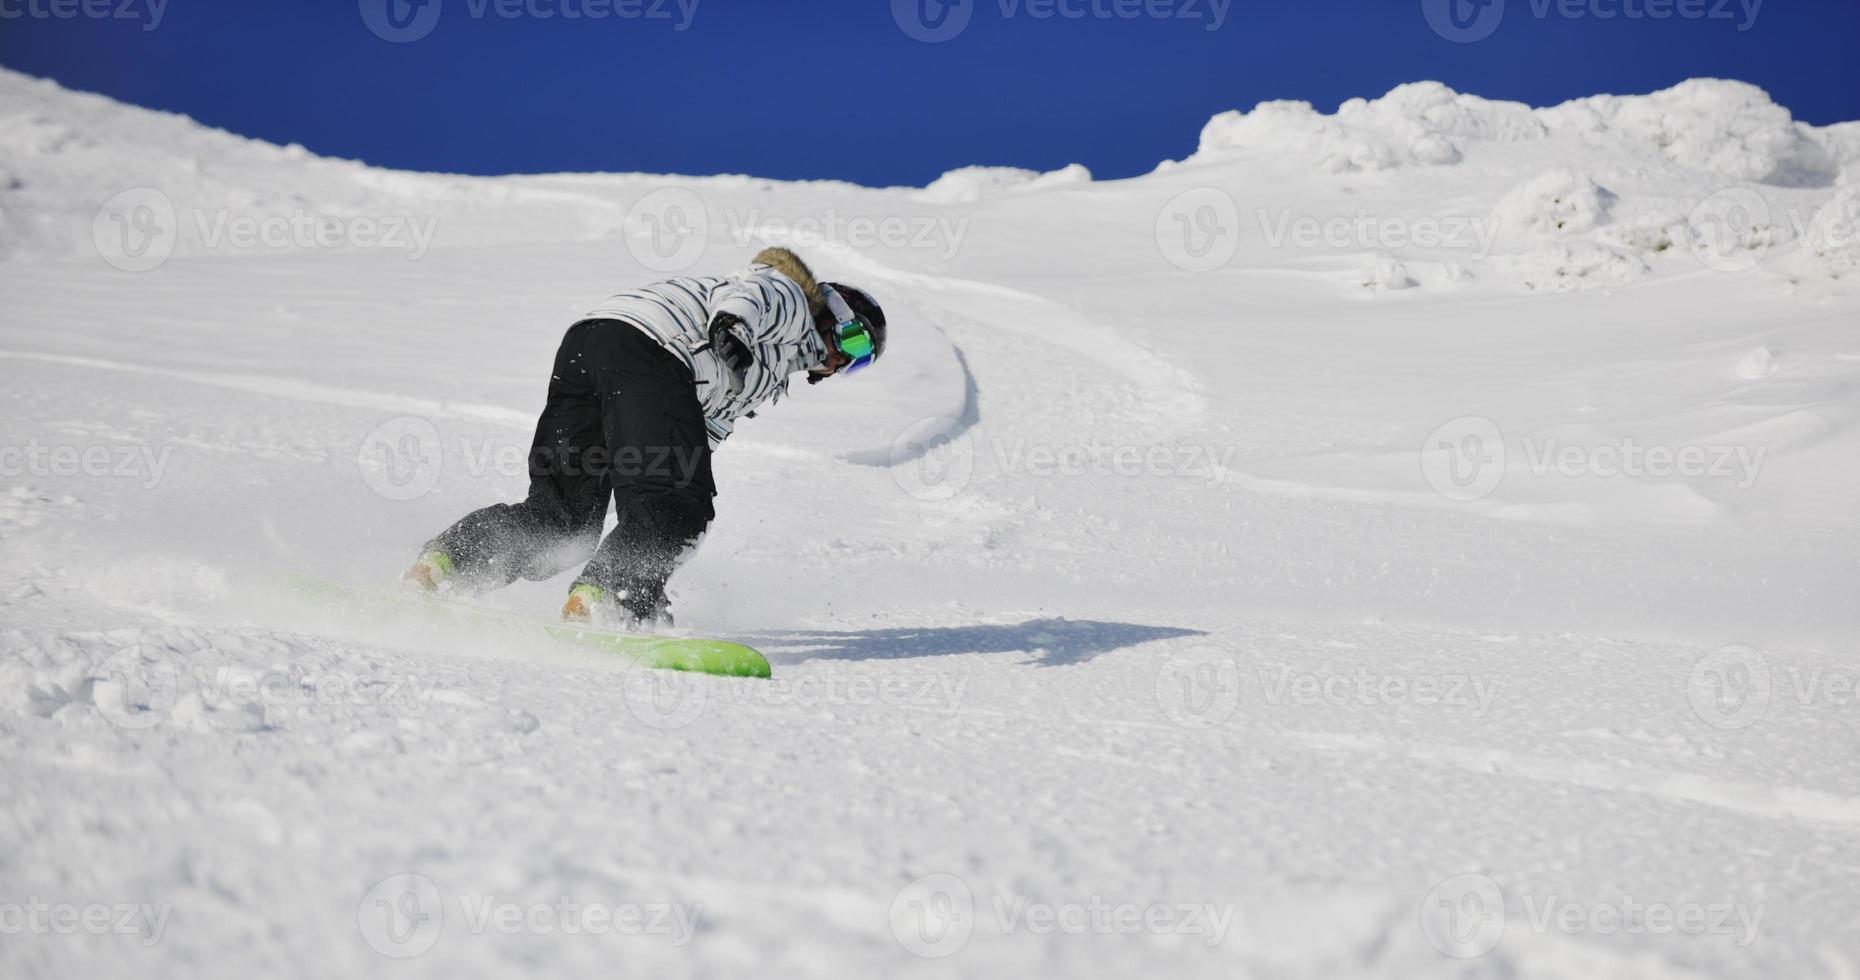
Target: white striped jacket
(776,327)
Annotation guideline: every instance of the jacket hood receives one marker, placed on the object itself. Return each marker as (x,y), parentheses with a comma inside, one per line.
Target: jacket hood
(789,264)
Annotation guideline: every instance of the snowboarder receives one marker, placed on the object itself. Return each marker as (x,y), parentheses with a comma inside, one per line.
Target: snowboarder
(644,387)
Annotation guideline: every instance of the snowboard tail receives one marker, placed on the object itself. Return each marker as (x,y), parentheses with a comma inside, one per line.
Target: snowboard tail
(695,654)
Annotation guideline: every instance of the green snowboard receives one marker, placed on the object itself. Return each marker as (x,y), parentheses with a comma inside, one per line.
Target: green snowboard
(702,656)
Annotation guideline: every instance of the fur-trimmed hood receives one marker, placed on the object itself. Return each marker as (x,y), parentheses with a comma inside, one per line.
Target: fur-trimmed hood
(789,264)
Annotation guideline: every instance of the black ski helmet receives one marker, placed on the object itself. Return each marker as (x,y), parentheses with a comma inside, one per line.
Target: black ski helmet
(868,310)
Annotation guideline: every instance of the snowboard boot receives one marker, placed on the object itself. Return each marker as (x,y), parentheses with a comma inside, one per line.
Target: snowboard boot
(648,612)
(432,570)
(590,605)
(595,606)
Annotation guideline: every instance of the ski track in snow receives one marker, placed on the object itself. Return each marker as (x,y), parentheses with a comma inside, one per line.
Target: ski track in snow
(1193,687)
(1767,802)
(1172,402)
(295,389)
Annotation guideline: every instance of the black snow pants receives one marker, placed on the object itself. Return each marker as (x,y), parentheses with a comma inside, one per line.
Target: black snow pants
(622,420)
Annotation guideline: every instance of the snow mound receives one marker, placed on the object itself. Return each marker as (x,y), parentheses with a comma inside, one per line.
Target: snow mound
(1728,128)
(1568,267)
(1651,232)
(1556,204)
(1715,125)
(1385,273)
(1843,142)
(1831,243)
(1757,364)
(968,184)
(1423,123)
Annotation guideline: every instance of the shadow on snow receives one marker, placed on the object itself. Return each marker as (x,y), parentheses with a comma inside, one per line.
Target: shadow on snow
(1050,642)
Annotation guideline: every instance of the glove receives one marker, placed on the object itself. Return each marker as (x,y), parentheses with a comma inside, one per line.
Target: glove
(730,347)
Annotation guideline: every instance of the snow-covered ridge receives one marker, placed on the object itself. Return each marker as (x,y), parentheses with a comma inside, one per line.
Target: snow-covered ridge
(1728,128)
(64,153)
(1591,193)
(966,184)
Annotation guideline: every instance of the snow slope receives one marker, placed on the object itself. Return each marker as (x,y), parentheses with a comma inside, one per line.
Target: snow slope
(1199,588)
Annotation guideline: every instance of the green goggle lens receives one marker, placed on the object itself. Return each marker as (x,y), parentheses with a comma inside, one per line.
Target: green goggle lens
(854,339)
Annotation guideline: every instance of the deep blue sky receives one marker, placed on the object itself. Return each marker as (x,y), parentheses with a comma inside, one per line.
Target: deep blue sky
(835,88)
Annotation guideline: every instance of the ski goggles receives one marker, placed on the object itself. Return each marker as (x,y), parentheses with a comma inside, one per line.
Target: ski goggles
(853,335)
